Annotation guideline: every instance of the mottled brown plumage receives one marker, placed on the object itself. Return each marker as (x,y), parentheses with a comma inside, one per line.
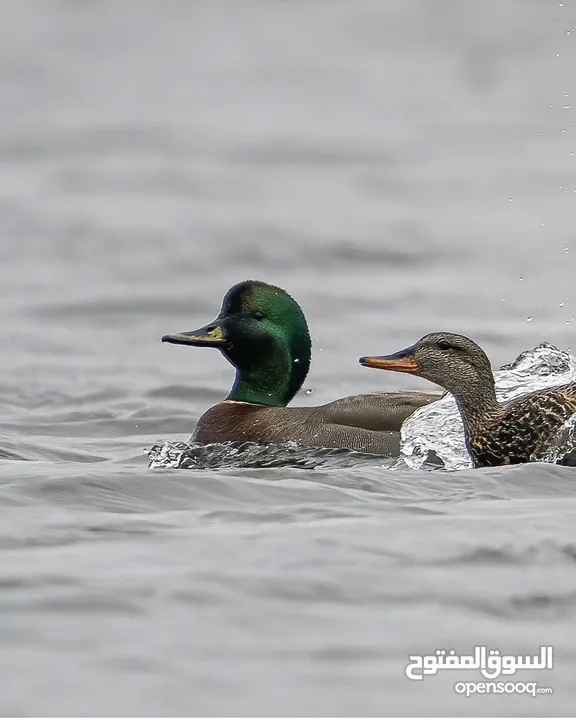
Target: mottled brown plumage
(518,431)
(523,429)
(263,333)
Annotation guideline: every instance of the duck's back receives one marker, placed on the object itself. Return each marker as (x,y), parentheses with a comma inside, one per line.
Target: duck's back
(525,429)
(367,423)
(375,411)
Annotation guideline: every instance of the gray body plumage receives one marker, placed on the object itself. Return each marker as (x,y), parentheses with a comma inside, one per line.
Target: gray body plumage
(367,423)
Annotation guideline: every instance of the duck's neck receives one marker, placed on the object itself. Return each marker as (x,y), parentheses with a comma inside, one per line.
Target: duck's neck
(273,379)
(477,401)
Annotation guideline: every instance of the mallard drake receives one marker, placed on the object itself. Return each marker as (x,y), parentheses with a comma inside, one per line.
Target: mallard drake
(262,332)
(518,431)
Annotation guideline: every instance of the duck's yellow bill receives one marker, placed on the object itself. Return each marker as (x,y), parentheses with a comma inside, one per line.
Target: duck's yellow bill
(211,336)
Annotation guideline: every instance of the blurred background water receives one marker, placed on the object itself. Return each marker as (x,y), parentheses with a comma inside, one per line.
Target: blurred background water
(400,167)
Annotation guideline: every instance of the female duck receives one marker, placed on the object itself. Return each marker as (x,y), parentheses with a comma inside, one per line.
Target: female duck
(263,333)
(518,431)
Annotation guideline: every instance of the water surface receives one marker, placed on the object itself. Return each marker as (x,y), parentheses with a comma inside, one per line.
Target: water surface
(399,167)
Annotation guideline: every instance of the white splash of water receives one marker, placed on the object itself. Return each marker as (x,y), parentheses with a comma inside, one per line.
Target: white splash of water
(436,431)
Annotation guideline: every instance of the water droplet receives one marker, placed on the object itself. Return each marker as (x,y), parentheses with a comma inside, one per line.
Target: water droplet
(528,319)
(561,305)
(565,94)
(521,278)
(572,153)
(296,360)
(544,224)
(550,106)
(557,54)
(541,133)
(565,250)
(565,107)
(308,392)
(511,200)
(569,32)
(563,129)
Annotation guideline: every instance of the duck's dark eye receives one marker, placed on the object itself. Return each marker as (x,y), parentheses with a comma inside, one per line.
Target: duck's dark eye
(444,345)
(258,315)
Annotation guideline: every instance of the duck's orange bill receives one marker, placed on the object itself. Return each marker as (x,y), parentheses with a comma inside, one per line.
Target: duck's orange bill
(399,362)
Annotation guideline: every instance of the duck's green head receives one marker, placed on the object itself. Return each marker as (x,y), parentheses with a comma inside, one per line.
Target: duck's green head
(262,331)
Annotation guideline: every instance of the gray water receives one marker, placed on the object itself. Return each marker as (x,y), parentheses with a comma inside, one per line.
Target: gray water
(400,167)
